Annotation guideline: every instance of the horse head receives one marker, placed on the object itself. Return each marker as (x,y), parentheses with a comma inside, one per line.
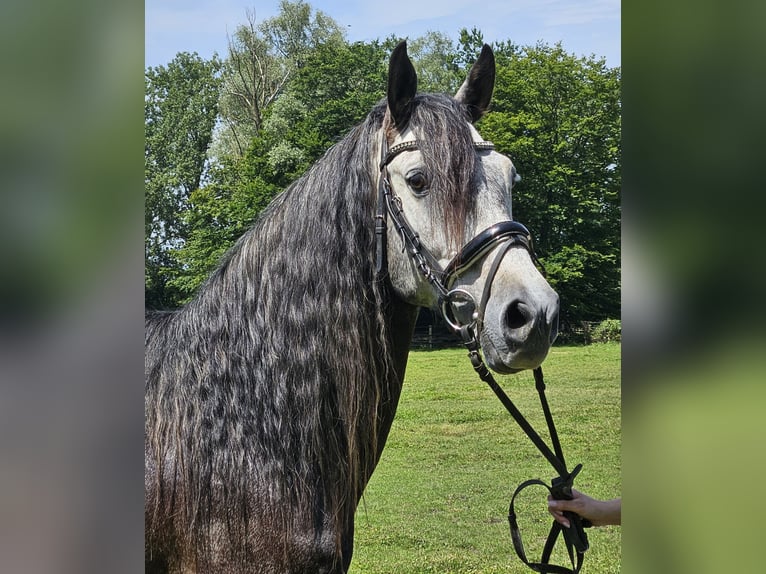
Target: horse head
(454,193)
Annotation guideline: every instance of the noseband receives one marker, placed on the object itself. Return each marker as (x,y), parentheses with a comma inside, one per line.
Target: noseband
(505,234)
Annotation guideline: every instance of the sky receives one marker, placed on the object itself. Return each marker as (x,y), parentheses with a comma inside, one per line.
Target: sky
(584,27)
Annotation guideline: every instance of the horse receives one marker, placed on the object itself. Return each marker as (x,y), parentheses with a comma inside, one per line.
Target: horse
(270,395)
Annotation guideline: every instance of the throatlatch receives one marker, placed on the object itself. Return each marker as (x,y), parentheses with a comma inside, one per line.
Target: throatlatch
(506,234)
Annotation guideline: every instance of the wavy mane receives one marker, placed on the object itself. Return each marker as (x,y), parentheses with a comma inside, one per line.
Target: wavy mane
(266,388)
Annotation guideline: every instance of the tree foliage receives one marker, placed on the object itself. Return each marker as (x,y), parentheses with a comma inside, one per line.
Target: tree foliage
(336,89)
(262,60)
(217,215)
(558,117)
(292,87)
(329,94)
(436,63)
(180,110)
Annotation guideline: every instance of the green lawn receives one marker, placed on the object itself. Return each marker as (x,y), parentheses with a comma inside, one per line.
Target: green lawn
(438,501)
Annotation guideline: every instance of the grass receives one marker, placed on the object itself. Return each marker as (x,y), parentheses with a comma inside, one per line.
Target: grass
(438,501)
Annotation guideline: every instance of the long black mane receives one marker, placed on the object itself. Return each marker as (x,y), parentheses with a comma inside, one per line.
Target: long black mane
(265,390)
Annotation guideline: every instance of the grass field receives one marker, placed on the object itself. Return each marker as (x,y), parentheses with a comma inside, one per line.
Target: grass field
(438,501)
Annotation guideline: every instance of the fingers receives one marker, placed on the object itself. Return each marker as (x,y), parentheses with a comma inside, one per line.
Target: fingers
(598,512)
(560,518)
(557,507)
(557,511)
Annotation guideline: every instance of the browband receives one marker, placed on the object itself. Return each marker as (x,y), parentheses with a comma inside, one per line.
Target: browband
(413,145)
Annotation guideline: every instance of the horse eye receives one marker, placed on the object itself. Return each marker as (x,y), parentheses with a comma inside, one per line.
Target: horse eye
(418,182)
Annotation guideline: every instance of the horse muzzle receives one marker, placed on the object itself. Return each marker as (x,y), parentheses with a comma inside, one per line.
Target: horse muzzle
(517,334)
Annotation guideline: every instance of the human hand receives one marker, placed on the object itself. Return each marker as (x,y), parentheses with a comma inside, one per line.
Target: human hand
(598,512)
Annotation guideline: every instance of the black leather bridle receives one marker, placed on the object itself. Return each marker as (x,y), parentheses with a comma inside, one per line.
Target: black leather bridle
(506,234)
(441,279)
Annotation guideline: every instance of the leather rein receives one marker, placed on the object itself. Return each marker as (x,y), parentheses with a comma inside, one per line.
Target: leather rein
(506,234)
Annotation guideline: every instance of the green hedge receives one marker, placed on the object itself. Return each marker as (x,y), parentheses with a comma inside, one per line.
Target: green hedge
(609,330)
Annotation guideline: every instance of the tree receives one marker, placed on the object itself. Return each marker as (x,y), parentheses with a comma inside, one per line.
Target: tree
(336,89)
(298,30)
(252,78)
(265,138)
(331,92)
(436,63)
(469,47)
(180,108)
(262,60)
(558,117)
(218,214)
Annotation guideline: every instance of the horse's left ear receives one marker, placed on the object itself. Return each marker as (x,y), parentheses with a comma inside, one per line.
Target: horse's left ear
(476,91)
(402,85)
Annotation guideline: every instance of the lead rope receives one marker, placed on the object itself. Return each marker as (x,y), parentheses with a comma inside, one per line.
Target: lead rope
(561,487)
(575,538)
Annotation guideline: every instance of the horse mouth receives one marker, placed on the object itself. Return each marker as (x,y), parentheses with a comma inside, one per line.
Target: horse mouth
(510,361)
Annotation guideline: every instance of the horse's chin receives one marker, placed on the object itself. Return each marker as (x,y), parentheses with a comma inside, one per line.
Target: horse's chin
(506,361)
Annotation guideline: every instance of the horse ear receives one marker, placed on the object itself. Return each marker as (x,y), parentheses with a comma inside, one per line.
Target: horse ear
(476,91)
(402,85)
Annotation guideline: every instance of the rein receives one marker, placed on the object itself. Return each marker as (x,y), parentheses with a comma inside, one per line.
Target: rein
(506,234)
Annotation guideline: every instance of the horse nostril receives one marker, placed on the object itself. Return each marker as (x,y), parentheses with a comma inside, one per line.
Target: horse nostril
(515,318)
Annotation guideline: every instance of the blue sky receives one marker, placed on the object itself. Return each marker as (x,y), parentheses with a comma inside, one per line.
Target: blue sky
(584,27)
